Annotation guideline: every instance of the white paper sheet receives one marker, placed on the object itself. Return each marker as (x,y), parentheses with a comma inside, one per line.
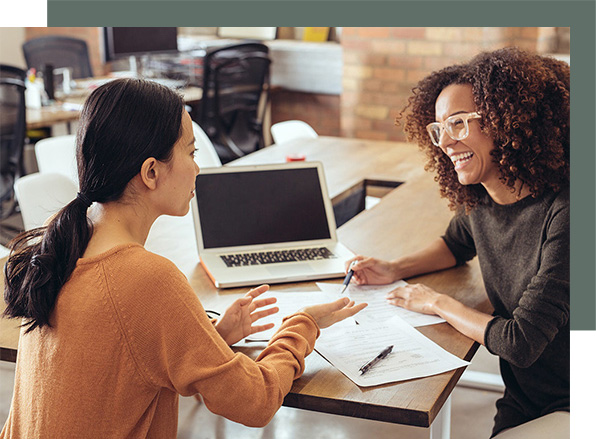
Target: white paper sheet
(289,303)
(378,308)
(348,347)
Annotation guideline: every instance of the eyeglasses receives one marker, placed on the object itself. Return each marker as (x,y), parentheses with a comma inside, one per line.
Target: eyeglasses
(456,127)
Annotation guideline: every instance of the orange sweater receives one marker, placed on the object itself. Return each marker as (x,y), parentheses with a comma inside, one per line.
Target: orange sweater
(128,335)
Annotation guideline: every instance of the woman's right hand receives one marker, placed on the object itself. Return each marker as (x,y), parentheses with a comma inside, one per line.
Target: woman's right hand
(326,314)
(372,271)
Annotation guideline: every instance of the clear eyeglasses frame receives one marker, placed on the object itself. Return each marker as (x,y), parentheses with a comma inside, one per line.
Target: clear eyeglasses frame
(456,127)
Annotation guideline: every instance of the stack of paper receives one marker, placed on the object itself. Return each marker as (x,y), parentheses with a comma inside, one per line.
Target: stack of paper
(348,347)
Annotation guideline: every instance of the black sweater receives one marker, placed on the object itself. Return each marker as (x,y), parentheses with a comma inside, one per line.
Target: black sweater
(523,251)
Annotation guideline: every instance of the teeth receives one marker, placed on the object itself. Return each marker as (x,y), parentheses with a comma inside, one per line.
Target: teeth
(462,156)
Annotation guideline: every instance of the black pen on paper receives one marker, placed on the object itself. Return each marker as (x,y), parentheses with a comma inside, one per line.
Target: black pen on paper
(384,353)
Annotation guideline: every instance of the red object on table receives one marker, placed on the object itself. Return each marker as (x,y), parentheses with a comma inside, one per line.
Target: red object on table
(295,158)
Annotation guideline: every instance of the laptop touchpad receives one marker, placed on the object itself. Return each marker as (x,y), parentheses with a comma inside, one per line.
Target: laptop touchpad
(290,269)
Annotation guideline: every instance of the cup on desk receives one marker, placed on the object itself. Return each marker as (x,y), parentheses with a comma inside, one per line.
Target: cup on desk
(295,158)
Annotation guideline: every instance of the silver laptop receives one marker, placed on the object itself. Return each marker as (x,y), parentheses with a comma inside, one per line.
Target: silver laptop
(266,224)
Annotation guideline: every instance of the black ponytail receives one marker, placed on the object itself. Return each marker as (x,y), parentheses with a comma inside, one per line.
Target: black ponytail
(123,123)
(41,261)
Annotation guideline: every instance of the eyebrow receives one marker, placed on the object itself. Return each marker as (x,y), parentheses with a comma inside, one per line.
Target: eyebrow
(192,142)
(454,114)
(459,112)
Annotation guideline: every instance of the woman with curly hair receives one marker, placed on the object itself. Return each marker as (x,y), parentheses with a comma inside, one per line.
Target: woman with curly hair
(496,131)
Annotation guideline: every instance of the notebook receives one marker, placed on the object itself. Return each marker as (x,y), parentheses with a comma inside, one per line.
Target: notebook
(265,224)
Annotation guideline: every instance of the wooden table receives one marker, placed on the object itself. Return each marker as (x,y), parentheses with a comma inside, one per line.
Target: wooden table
(66,109)
(407,218)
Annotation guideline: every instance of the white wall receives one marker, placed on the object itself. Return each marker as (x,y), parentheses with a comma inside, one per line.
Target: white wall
(11,40)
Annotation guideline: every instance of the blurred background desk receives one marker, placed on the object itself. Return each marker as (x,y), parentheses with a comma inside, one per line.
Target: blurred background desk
(67,108)
(406,218)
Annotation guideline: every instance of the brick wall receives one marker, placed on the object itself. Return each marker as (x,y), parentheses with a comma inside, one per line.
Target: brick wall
(382,65)
(318,110)
(92,35)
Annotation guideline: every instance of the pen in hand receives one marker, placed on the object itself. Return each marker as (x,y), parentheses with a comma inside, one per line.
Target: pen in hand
(347,280)
(348,277)
(384,353)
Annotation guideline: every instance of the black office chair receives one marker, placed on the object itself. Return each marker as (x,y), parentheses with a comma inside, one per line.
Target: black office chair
(12,134)
(235,94)
(13,72)
(59,52)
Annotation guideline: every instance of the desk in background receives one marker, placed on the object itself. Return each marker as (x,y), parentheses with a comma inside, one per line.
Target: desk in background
(407,218)
(67,108)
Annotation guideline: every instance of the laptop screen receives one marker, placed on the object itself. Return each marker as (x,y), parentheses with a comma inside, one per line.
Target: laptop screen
(261,207)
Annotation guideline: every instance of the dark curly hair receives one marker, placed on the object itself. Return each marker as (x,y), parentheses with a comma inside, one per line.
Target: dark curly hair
(523,100)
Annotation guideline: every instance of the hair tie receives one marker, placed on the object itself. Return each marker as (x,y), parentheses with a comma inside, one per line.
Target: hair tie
(85,199)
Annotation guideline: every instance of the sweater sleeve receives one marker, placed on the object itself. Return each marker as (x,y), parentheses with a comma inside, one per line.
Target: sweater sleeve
(544,306)
(459,239)
(175,345)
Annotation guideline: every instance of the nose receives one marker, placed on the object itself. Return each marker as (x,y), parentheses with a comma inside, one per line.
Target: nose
(445,140)
(197,169)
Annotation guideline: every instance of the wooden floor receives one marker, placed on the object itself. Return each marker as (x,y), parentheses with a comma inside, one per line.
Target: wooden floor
(471,416)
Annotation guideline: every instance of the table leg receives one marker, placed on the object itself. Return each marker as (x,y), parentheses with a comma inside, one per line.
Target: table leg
(441,426)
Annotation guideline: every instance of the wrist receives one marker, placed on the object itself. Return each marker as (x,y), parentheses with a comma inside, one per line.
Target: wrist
(395,271)
(399,269)
(439,304)
(223,334)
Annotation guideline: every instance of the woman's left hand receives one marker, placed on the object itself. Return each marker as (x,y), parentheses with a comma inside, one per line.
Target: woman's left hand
(237,321)
(415,297)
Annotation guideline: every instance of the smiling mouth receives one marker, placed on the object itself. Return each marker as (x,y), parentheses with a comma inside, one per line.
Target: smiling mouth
(460,159)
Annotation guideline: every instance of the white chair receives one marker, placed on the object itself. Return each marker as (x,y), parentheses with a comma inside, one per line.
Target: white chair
(291,130)
(58,155)
(42,195)
(206,156)
(3,251)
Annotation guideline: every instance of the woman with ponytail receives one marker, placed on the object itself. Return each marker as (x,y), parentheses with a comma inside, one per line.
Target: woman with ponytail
(112,333)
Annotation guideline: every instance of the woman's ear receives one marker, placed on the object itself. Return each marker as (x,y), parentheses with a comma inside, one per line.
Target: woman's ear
(149,173)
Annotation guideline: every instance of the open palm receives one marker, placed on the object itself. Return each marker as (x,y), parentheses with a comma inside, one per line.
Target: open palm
(237,322)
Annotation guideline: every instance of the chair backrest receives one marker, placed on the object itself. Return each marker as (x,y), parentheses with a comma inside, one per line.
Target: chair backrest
(206,156)
(235,92)
(58,155)
(12,135)
(3,251)
(59,51)
(7,71)
(291,130)
(42,195)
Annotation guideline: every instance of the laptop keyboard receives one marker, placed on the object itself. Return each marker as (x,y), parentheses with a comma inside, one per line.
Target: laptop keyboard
(273,257)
